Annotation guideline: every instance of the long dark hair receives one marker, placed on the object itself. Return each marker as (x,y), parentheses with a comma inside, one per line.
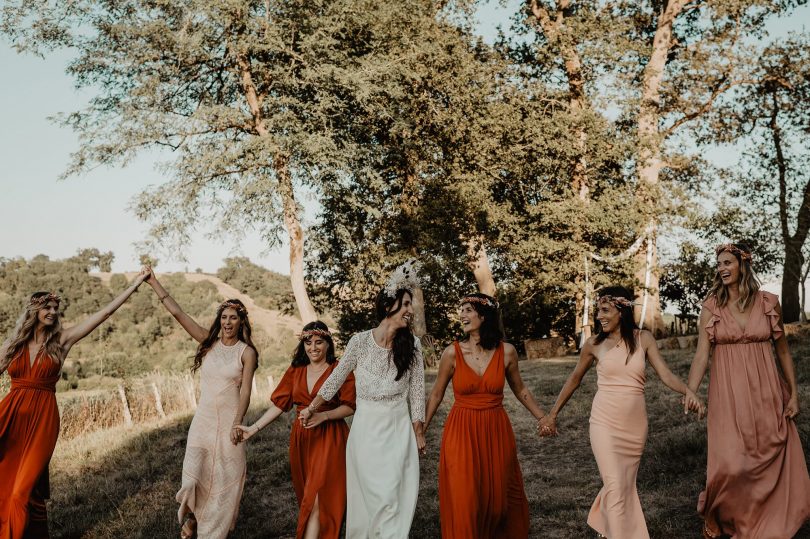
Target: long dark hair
(627,321)
(403,349)
(300,357)
(245,331)
(491,331)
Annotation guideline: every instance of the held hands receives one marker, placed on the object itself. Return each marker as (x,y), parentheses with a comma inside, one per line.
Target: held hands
(315,419)
(144,275)
(245,433)
(692,403)
(792,407)
(421,443)
(237,435)
(304,416)
(547,426)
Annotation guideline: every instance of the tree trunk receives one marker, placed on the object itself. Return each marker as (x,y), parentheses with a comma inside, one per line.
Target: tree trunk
(553,29)
(296,237)
(285,187)
(791,278)
(419,325)
(479,264)
(650,164)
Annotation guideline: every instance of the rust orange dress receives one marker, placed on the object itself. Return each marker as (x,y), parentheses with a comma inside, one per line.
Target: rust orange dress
(317,455)
(29,426)
(757,485)
(481,492)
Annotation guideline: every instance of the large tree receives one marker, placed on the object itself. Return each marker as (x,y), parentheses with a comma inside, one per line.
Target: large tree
(245,97)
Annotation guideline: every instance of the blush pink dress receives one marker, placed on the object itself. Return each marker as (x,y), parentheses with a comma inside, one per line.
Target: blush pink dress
(618,434)
(757,486)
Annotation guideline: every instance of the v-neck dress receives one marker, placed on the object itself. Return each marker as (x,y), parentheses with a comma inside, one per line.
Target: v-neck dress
(29,427)
(481,493)
(317,455)
(757,485)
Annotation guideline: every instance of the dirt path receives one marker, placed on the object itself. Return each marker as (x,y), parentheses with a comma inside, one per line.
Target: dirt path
(269,320)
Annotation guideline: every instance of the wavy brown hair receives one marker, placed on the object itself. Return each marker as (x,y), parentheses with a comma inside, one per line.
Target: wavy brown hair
(245,332)
(491,332)
(300,357)
(26,327)
(748,285)
(627,321)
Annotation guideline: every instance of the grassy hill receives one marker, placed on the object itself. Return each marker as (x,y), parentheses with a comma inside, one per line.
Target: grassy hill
(121,483)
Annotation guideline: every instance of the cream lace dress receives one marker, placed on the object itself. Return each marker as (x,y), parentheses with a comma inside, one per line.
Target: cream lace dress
(214,468)
(382,462)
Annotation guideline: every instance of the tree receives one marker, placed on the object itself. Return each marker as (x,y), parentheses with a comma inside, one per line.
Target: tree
(243,95)
(771,117)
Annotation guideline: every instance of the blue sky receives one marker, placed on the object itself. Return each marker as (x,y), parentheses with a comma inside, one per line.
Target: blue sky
(41,215)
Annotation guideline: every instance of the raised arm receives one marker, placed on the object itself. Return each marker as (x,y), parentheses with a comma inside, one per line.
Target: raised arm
(447,366)
(197,332)
(548,425)
(74,334)
(788,369)
(690,401)
(249,363)
(704,348)
(516,382)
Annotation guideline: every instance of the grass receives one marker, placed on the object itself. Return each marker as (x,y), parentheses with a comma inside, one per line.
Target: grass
(121,483)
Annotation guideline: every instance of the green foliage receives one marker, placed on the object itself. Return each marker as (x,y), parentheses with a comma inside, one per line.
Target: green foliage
(268,289)
(141,336)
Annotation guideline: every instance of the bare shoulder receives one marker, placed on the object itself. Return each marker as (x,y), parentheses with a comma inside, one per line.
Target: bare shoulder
(249,354)
(449,353)
(510,354)
(646,337)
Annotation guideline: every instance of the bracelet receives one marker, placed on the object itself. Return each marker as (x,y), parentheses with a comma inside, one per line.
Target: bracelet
(162,298)
(326,414)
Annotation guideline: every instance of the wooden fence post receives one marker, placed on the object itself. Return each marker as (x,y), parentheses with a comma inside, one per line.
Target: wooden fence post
(127,414)
(158,402)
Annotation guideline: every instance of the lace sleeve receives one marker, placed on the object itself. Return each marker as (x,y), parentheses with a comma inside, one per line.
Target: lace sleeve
(346,365)
(416,386)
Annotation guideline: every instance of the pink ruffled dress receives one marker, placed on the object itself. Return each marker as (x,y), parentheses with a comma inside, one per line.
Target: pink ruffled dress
(757,485)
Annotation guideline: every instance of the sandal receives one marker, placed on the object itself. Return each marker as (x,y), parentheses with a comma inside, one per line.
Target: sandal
(189,528)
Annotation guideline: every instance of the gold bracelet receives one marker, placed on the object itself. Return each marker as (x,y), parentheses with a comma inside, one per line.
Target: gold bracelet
(164,297)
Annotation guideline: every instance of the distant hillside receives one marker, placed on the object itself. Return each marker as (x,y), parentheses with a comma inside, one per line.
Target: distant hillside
(142,337)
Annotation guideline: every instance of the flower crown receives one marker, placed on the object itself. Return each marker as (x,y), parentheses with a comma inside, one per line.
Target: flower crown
(405,276)
(238,307)
(733,249)
(44,299)
(487,302)
(616,301)
(307,333)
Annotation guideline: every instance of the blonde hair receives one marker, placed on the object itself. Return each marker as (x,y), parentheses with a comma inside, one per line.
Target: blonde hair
(25,328)
(748,283)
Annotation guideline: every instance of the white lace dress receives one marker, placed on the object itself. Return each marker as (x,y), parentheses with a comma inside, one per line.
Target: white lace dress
(382,462)
(214,468)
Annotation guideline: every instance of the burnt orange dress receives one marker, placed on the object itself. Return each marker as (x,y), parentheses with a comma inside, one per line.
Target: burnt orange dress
(481,492)
(29,426)
(317,455)
(757,486)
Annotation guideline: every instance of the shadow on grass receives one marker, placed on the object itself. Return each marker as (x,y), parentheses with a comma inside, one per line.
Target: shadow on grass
(124,485)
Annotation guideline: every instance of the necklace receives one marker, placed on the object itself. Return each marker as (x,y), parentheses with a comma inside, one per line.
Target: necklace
(313,371)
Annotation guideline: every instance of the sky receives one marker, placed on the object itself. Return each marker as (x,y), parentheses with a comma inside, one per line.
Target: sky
(40,214)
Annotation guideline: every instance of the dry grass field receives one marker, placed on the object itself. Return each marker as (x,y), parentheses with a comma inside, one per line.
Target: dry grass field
(121,483)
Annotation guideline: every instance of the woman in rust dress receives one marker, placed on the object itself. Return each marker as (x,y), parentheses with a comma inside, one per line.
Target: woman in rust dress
(757,485)
(317,450)
(29,417)
(481,491)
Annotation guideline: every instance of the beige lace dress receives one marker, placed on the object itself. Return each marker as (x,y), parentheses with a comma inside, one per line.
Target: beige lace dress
(214,468)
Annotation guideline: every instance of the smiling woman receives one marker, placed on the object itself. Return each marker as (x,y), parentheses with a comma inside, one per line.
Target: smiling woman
(214,465)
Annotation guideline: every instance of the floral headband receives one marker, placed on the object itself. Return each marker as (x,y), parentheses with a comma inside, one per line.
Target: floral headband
(43,300)
(486,302)
(307,333)
(733,249)
(233,305)
(616,301)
